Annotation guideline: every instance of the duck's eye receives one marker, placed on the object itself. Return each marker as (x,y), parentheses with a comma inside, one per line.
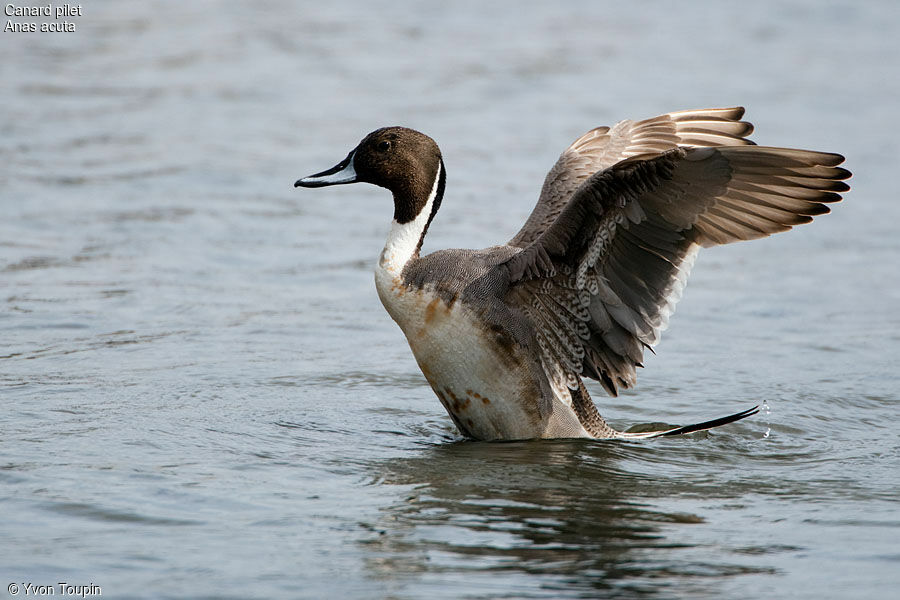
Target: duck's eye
(384,146)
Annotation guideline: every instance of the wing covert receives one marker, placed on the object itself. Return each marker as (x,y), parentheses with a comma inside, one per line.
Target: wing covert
(601,148)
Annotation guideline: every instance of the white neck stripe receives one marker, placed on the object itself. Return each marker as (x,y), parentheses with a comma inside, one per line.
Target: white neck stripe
(403,240)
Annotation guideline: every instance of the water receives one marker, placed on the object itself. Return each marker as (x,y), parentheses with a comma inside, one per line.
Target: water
(203,398)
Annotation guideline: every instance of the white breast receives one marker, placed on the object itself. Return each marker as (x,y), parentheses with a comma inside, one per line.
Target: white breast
(489,394)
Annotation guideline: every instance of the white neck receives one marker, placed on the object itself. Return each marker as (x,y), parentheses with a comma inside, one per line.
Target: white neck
(403,240)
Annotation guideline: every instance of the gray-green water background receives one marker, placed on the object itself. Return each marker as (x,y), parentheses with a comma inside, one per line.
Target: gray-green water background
(201,396)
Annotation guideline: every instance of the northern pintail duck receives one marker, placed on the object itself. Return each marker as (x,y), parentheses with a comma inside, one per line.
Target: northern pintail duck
(504,335)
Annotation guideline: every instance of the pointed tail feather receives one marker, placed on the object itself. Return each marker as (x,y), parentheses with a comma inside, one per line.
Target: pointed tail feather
(692,428)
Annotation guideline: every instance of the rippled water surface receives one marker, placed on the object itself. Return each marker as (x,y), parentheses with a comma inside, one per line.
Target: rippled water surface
(203,398)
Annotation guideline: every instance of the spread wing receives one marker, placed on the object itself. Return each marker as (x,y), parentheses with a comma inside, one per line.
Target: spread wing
(603,147)
(600,282)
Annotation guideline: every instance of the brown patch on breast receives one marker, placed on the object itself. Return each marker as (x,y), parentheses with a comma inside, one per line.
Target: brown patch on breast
(478,396)
(457,404)
(397,287)
(466,431)
(430,311)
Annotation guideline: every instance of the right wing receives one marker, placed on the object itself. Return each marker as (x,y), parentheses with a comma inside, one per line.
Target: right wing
(600,282)
(603,147)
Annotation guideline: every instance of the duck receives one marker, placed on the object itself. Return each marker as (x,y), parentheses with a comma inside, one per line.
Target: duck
(506,335)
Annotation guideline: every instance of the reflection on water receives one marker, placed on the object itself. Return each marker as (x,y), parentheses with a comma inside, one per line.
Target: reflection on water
(566,511)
